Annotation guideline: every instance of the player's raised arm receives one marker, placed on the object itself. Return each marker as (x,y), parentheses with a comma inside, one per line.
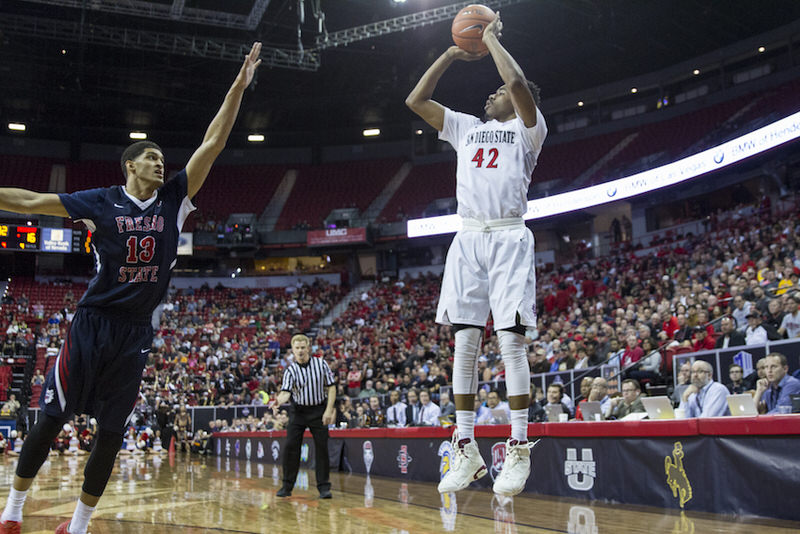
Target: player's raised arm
(511,73)
(419,100)
(220,128)
(31,203)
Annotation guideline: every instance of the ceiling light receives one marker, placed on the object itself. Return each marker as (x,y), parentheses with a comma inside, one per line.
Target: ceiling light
(761,49)
(137,135)
(17,126)
(255,138)
(634,90)
(371,132)
(696,72)
(418,132)
(580,103)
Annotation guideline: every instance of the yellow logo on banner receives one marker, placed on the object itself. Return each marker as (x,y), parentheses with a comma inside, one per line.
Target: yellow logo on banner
(677,480)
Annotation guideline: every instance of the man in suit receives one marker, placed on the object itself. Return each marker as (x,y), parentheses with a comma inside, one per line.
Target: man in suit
(412,410)
(396,413)
(730,336)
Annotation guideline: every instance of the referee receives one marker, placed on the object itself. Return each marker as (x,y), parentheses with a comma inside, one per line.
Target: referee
(305,382)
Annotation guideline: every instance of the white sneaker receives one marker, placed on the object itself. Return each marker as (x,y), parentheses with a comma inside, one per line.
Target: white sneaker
(467,466)
(516,468)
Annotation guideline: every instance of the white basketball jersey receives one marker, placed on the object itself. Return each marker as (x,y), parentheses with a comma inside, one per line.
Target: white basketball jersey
(495,162)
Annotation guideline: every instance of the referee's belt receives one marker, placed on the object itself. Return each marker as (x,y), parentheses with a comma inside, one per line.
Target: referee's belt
(492,225)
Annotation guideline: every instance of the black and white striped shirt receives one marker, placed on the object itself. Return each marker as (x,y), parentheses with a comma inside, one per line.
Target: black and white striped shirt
(307,383)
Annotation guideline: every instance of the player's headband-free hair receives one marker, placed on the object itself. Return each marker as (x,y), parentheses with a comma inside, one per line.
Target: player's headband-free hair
(134,151)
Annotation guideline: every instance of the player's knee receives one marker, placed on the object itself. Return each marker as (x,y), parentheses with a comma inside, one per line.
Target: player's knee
(467,338)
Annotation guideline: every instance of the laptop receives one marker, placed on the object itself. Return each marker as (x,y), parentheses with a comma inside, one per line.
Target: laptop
(592,411)
(742,404)
(795,403)
(553,411)
(658,407)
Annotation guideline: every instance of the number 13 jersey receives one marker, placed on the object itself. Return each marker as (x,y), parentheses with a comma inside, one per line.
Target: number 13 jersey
(495,162)
(135,244)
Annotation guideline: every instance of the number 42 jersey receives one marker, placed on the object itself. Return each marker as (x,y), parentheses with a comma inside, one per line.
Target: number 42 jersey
(135,244)
(495,162)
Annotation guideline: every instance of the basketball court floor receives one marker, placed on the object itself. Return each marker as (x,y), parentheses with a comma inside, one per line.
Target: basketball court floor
(190,495)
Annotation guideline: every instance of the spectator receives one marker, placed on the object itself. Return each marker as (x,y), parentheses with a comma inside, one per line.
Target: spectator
(704,397)
(702,341)
(396,412)
(755,334)
(790,324)
(730,336)
(741,309)
(38,378)
(759,373)
(539,363)
(629,402)
(429,412)
(736,374)
(447,408)
(412,410)
(10,408)
(774,392)
(368,391)
(554,397)
(486,414)
(536,413)
(599,392)
(633,352)
(375,415)
(354,380)
(586,388)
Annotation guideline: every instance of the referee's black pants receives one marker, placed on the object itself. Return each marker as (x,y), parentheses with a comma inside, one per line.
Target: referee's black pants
(307,417)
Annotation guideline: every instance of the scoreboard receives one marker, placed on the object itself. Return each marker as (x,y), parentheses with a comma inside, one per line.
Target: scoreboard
(35,239)
(14,237)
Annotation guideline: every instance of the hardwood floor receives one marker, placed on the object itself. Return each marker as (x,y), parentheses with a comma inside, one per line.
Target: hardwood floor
(217,495)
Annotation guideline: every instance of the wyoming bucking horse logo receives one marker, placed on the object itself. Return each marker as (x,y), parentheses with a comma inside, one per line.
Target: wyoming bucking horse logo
(677,480)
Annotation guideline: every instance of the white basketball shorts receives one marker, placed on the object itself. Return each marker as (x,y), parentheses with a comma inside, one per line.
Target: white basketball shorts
(489,270)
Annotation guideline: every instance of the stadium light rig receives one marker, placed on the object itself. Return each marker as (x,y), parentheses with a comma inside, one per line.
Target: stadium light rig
(17,126)
(255,138)
(371,132)
(137,135)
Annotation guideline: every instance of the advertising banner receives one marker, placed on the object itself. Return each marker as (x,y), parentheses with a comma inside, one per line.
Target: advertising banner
(741,475)
(336,236)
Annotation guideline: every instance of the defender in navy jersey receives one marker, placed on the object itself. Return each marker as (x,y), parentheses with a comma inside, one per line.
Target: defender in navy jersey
(490,264)
(135,238)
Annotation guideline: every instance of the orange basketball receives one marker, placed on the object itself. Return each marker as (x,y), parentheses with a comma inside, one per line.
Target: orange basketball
(467,29)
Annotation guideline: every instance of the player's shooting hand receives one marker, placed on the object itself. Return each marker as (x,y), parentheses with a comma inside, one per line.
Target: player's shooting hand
(251,63)
(494,29)
(462,55)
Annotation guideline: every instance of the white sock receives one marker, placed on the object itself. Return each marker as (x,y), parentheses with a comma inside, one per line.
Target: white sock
(14,504)
(519,425)
(465,422)
(80,519)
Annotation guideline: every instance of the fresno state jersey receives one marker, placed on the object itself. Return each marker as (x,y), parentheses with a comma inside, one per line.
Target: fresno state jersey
(495,162)
(135,244)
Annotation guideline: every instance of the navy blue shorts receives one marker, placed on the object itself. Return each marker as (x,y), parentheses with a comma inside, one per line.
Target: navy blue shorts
(98,370)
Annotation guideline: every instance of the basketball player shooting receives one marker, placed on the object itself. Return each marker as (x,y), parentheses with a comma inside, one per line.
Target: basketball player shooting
(99,368)
(490,264)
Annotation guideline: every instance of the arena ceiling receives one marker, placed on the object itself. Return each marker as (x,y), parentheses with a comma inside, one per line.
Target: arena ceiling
(66,73)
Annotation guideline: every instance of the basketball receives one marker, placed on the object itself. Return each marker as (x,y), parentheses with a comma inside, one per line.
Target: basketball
(467,29)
